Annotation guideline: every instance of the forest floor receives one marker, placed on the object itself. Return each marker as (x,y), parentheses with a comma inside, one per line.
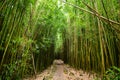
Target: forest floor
(61,71)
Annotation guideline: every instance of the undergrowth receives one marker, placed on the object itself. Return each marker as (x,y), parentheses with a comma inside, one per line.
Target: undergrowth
(112,74)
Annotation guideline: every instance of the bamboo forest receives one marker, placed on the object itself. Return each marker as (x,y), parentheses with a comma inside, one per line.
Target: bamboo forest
(59,39)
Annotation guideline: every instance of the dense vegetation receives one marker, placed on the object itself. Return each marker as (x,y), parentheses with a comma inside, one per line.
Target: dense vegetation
(84,33)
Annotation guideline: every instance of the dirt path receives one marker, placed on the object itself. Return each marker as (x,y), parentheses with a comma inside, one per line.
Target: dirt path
(59,74)
(60,71)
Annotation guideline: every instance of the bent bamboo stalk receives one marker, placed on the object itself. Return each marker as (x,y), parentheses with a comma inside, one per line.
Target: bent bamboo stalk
(94,12)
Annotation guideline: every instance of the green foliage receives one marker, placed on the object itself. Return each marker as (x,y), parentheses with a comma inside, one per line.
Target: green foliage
(10,71)
(33,31)
(112,74)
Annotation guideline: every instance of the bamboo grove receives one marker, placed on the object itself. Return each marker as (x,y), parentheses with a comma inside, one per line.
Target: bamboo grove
(84,33)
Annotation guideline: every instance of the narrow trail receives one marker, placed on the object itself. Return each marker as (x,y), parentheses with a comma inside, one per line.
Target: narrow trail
(60,71)
(59,74)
